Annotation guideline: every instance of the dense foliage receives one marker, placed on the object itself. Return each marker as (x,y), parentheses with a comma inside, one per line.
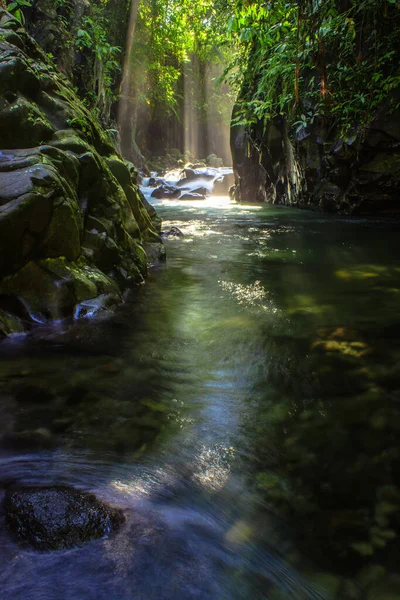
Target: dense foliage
(335,59)
(85,40)
(331,58)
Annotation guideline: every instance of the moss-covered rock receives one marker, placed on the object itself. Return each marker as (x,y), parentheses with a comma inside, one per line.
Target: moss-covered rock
(73,223)
(9,324)
(318,168)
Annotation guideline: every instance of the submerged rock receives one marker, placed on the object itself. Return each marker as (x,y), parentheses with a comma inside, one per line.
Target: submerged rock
(155,181)
(52,518)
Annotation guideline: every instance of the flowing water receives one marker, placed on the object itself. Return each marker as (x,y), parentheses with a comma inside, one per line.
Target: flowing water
(242,407)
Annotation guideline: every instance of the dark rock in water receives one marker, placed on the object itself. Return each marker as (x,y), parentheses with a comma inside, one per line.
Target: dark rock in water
(155,181)
(191,196)
(223,184)
(203,191)
(165,191)
(94,306)
(155,253)
(52,518)
(9,324)
(188,174)
(173,232)
(51,288)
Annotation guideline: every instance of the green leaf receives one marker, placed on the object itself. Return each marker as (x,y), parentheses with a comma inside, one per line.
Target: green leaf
(19,16)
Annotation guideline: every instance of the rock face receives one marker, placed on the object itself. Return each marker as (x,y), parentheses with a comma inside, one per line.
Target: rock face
(58,517)
(73,224)
(318,169)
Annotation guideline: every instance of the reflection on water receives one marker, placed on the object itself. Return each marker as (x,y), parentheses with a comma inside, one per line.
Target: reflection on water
(242,408)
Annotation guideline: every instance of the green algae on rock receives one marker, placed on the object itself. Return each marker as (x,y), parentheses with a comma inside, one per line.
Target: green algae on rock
(73,224)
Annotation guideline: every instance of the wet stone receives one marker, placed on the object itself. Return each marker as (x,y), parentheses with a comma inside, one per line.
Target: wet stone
(172,232)
(53,518)
(191,196)
(166,191)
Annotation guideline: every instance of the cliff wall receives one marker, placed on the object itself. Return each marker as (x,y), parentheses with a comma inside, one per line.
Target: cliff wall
(74,227)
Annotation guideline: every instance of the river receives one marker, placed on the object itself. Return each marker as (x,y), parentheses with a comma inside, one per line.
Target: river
(242,407)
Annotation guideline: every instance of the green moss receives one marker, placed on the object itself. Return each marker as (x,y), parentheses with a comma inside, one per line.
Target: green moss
(71,178)
(363,548)
(83,287)
(23,125)
(119,170)
(9,324)
(383,163)
(70,140)
(267,481)
(63,237)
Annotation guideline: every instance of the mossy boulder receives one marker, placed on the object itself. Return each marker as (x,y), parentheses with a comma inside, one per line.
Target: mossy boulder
(52,288)
(73,224)
(9,324)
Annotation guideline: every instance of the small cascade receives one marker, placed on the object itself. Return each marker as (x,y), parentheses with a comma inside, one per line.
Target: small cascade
(189,183)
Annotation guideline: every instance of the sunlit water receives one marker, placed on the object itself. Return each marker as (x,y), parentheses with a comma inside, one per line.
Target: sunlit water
(242,408)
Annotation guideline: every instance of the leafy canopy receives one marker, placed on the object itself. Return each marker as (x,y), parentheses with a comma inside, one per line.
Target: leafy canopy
(331,58)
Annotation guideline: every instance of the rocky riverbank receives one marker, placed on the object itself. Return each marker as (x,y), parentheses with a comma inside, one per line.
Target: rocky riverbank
(74,227)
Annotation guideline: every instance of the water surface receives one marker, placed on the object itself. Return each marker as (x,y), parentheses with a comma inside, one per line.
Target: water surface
(242,407)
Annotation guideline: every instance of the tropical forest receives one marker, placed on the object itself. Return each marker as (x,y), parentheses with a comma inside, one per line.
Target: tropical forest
(199,300)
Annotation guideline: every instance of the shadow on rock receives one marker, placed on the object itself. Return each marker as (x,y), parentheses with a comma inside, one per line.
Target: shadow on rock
(52,518)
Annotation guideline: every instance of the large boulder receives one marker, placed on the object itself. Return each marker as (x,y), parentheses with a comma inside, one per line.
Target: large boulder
(165,191)
(52,518)
(73,224)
